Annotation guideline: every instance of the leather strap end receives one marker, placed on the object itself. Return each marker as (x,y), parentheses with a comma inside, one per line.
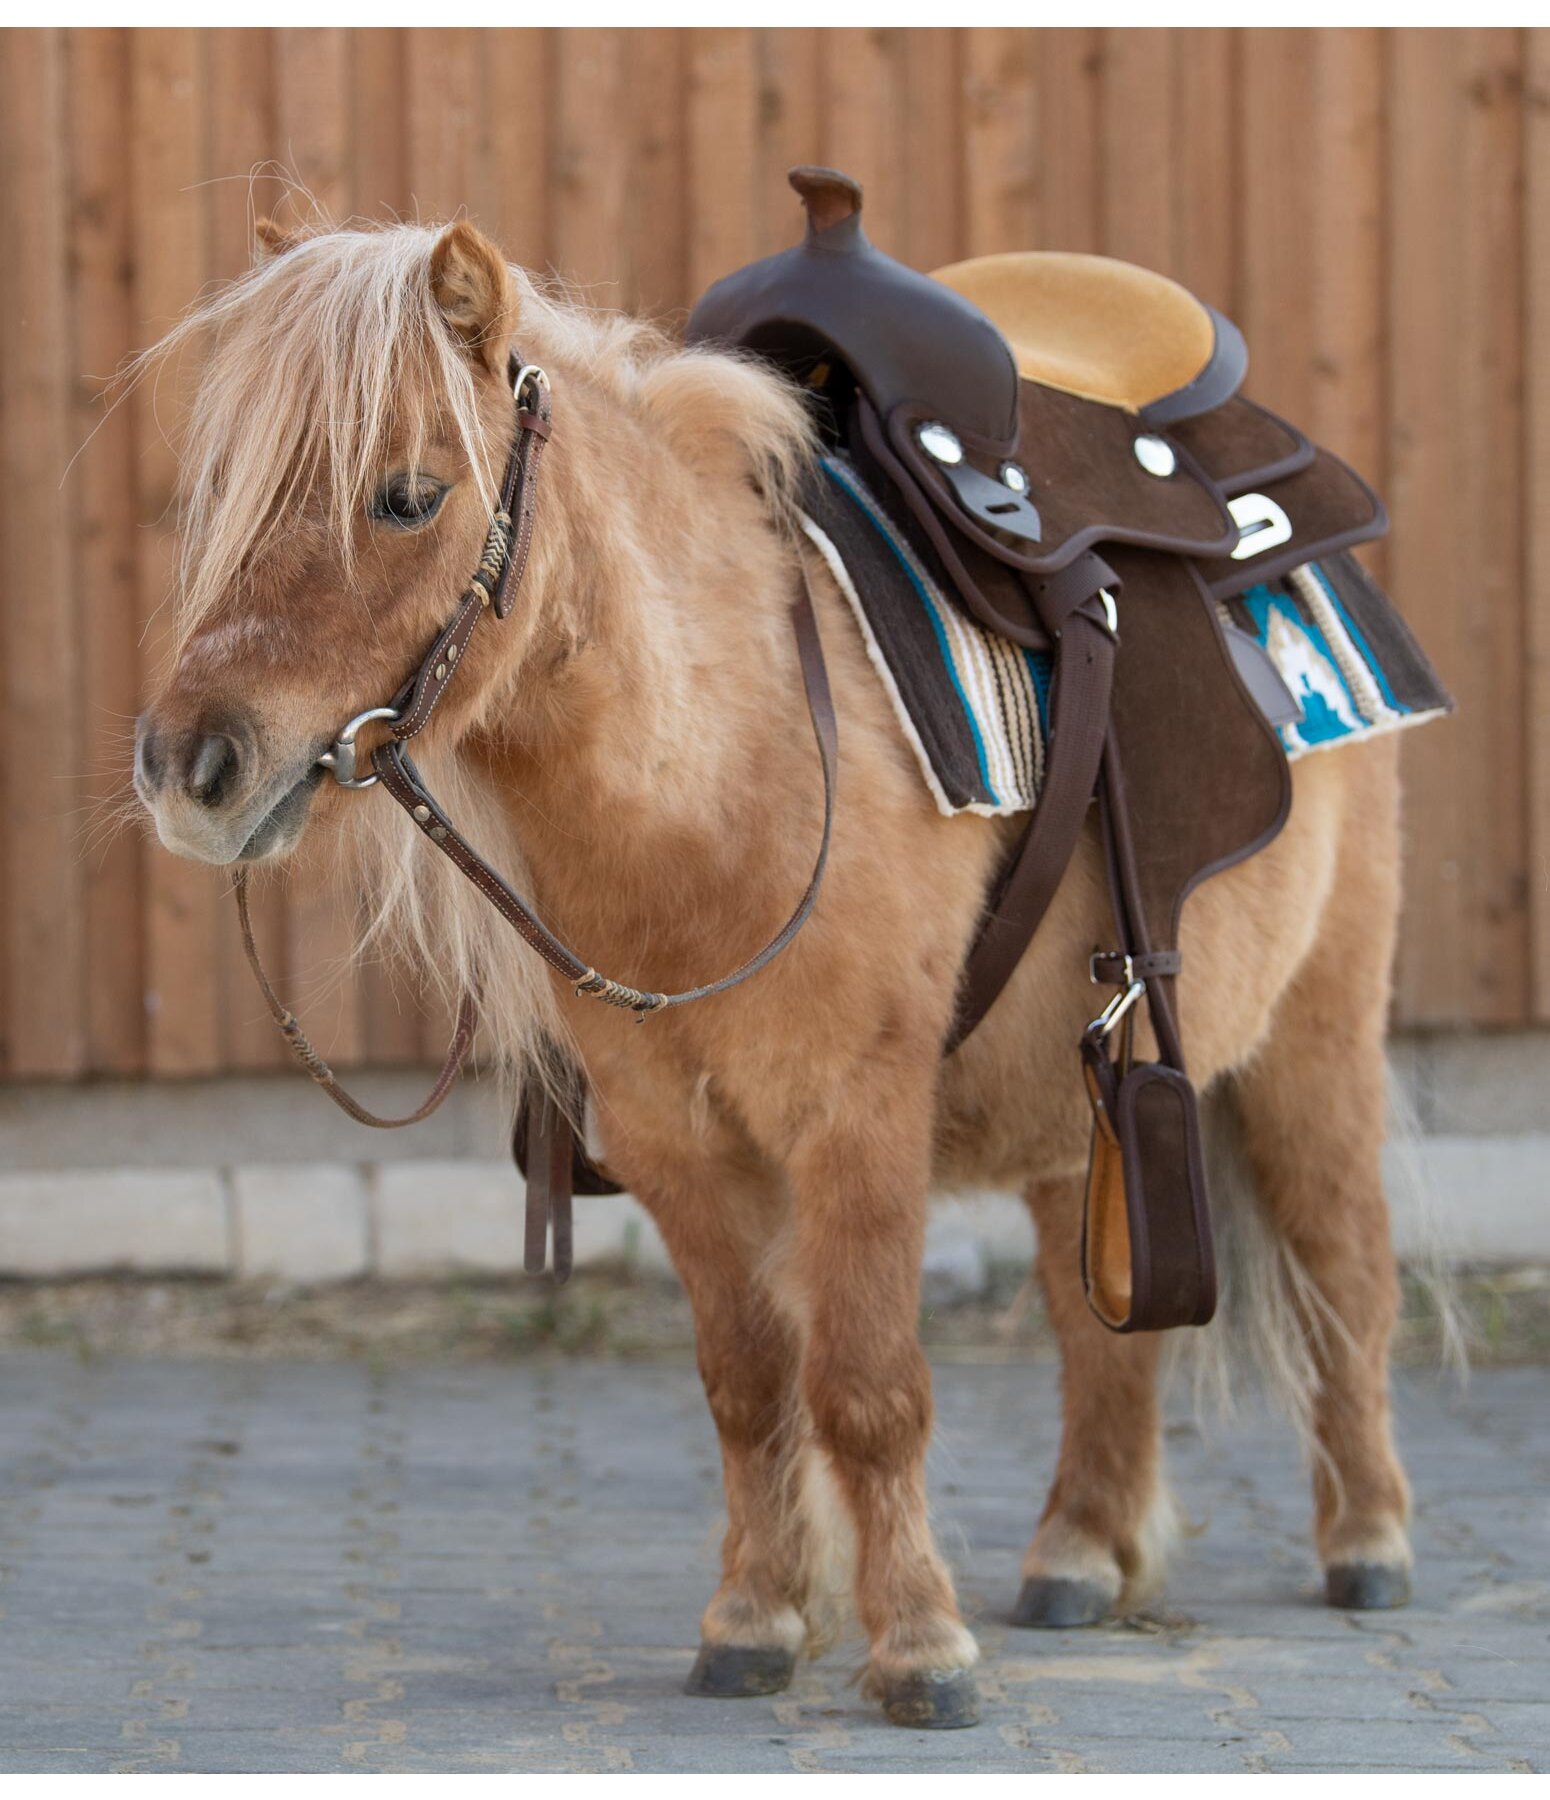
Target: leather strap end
(549,1152)
(535,1240)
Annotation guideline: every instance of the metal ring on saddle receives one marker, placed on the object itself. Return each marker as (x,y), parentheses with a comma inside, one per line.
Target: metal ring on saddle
(340,759)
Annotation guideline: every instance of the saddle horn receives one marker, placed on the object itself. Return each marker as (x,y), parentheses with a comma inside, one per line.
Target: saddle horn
(829,196)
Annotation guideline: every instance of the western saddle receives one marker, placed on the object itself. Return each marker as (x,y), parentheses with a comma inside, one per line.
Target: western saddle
(1062,441)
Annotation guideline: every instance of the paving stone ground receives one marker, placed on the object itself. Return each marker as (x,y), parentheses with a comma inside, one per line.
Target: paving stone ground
(259,1566)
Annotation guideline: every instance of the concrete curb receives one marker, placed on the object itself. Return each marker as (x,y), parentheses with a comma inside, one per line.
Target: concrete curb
(1477,1200)
(253,1176)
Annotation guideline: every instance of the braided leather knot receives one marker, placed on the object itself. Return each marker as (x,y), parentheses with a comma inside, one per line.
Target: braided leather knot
(303,1051)
(492,559)
(615,993)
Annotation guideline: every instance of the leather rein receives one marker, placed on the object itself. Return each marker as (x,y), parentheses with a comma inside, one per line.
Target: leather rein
(493,589)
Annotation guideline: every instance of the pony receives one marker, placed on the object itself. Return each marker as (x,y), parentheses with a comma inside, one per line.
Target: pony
(632,745)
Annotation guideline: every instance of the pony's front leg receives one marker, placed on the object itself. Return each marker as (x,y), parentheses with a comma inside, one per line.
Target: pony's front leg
(859,1179)
(760,1619)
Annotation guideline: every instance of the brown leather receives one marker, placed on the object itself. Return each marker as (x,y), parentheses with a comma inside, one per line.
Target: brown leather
(1084,673)
(1205,777)
(403,781)
(834,302)
(1147,1257)
(1242,445)
(828,195)
(1119,968)
(1086,481)
(1330,508)
(585,1175)
(992,591)
(549,1184)
(499,575)
(302,1049)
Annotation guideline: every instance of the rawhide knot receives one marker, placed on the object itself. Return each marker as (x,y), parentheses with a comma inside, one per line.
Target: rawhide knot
(492,560)
(615,993)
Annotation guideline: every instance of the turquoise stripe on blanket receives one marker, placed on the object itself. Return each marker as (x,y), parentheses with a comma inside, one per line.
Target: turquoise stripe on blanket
(1328,664)
(974,707)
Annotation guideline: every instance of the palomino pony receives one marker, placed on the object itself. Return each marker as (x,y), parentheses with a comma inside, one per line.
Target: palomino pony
(632,743)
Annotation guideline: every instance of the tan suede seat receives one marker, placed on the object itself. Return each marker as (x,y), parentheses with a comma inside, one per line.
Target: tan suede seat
(1091,325)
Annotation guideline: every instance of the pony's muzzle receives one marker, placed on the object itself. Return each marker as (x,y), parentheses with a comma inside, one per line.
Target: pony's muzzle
(208,768)
(208,789)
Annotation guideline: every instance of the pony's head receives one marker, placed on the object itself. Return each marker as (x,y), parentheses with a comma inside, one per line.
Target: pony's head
(350,422)
(347,432)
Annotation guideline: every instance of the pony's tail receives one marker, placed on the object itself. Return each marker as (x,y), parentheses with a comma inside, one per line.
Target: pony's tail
(1271,1318)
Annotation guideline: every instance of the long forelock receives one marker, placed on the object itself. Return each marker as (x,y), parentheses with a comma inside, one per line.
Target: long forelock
(316,362)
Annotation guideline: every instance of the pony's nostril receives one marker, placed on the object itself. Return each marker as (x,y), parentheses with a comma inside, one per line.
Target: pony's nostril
(150,762)
(212,772)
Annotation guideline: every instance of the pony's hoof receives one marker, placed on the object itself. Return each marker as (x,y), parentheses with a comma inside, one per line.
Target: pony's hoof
(933,1702)
(739,1671)
(1367,1587)
(1053,1603)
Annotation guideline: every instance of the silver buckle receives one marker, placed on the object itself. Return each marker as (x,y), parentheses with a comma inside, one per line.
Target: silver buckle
(340,760)
(1127,968)
(528,372)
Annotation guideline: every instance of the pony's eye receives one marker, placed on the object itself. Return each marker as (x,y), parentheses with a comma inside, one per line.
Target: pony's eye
(408,501)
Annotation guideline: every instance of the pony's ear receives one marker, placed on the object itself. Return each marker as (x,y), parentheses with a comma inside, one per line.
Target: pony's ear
(271,239)
(472,286)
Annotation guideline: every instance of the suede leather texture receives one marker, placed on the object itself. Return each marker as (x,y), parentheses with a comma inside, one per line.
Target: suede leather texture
(1092,326)
(1243,446)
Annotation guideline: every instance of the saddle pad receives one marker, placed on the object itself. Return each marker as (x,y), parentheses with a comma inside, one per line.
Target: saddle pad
(1345,654)
(974,706)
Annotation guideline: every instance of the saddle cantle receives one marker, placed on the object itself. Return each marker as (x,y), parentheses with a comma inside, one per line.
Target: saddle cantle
(1060,443)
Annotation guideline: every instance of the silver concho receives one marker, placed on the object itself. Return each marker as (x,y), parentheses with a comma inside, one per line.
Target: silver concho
(939,442)
(1156,456)
(1015,477)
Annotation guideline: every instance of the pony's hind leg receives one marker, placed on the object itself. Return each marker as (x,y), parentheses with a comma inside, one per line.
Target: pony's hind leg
(758,1621)
(1104,1530)
(1313,1107)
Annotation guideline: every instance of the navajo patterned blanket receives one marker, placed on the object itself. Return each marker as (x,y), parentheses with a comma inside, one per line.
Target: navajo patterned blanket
(975,707)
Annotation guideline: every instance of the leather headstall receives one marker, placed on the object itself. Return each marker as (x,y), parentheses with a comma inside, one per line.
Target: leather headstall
(493,589)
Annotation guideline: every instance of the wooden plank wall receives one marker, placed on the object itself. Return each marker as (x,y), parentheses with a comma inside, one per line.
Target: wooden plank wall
(1374,209)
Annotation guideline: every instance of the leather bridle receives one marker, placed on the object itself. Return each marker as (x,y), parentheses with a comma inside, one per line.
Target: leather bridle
(493,589)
